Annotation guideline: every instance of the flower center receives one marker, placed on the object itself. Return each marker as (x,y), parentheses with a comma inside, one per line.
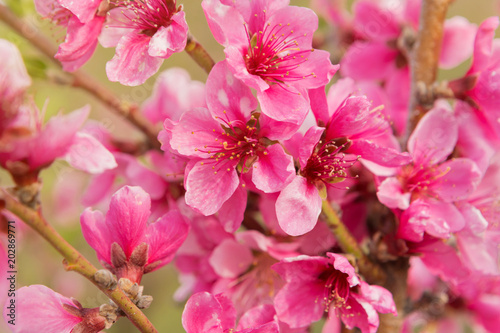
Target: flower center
(328,164)
(238,143)
(336,290)
(275,55)
(417,179)
(148,15)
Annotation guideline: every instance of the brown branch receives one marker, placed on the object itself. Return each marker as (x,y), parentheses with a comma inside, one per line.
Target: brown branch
(81,79)
(425,59)
(74,260)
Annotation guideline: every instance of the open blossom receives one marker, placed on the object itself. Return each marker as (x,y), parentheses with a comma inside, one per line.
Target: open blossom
(427,189)
(224,142)
(268,45)
(125,242)
(40,309)
(315,285)
(353,130)
(83,22)
(144,32)
(28,146)
(205,312)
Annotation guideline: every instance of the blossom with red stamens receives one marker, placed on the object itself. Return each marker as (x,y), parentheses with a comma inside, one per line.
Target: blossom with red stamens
(224,142)
(269,47)
(144,32)
(315,285)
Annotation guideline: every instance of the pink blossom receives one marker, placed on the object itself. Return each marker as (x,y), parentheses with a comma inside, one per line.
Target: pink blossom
(39,309)
(325,155)
(83,23)
(205,312)
(427,189)
(315,285)
(268,45)
(224,142)
(124,240)
(144,32)
(28,146)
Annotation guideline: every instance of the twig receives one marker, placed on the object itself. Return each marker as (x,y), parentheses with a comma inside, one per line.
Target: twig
(81,79)
(74,260)
(425,59)
(348,244)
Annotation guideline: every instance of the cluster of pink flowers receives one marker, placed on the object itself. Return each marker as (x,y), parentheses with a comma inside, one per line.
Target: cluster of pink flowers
(249,159)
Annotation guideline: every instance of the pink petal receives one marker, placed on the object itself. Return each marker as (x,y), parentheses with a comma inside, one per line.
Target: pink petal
(132,65)
(458,42)
(276,130)
(97,234)
(204,313)
(309,142)
(114,29)
(15,78)
(381,155)
(195,129)
(414,220)
(88,154)
(57,137)
(380,298)
(230,259)
(165,236)
(483,44)
(444,218)
(390,192)
(460,177)
(99,188)
(300,303)
(171,39)
(358,313)
(84,10)
(368,61)
(225,22)
(232,212)
(80,43)
(258,315)
(127,217)
(207,189)
(284,105)
(375,22)
(319,104)
(274,170)
(227,97)
(298,207)
(174,93)
(434,138)
(49,318)
(341,263)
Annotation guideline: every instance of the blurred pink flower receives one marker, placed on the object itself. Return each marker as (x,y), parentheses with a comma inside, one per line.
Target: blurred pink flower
(29,146)
(125,242)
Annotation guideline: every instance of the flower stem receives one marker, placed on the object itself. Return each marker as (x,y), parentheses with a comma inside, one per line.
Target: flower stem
(425,59)
(74,260)
(199,54)
(80,79)
(371,271)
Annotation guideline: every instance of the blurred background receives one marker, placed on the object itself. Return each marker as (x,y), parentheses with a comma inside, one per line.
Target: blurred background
(38,263)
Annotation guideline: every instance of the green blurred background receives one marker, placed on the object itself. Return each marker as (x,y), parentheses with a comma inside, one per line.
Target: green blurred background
(38,263)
